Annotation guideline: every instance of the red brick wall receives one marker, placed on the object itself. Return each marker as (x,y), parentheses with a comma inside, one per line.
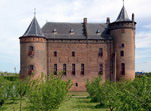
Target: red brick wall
(38,60)
(85,53)
(124,34)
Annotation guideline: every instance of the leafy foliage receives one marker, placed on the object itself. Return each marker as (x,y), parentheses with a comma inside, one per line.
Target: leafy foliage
(124,95)
(92,88)
(137,95)
(48,95)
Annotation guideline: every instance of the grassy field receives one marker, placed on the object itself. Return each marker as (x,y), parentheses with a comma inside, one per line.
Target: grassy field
(79,104)
(74,103)
(8,106)
(78,93)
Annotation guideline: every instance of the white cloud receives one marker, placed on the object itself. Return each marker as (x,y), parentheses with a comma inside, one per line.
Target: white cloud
(143,40)
(147,26)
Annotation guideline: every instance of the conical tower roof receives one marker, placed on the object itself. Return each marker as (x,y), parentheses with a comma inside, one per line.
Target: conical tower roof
(123,16)
(34,29)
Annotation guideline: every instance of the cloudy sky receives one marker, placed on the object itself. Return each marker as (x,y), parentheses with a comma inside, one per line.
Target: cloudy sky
(16,15)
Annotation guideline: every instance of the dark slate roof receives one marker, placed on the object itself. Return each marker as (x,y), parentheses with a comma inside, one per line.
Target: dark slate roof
(57,30)
(123,16)
(97,31)
(34,29)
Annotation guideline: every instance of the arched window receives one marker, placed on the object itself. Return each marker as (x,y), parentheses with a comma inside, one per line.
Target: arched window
(100,52)
(73,69)
(55,69)
(76,84)
(31,51)
(73,54)
(122,68)
(101,69)
(122,45)
(55,53)
(122,53)
(64,69)
(31,69)
(82,69)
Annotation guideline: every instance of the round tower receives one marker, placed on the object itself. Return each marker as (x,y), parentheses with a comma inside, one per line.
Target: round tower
(123,34)
(33,51)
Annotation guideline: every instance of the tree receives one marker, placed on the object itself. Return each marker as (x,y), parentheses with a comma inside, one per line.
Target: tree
(93,87)
(109,95)
(3,90)
(22,89)
(136,96)
(48,95)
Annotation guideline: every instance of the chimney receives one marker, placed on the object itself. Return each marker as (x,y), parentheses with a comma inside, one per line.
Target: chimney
(133,16)
(107,20)
(85,21)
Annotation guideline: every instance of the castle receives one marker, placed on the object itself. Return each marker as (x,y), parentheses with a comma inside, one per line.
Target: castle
(81,50)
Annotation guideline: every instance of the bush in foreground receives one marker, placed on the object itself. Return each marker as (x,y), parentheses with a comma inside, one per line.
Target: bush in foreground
(124,95)
(48,95)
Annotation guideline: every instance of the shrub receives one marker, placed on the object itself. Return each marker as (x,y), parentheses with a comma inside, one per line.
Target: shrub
(48,95)
(92,88)
(123,95)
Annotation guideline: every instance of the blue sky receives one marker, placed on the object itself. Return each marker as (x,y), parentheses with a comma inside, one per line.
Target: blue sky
(16,15)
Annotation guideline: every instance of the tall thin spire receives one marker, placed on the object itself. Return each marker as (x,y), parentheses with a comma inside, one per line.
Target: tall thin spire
(123,16)
(34,12)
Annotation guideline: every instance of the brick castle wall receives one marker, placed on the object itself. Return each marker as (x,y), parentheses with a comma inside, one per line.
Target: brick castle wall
(85,53)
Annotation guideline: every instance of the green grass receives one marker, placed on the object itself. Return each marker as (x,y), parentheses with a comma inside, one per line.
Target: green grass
(73,104)
(8,106)
(78,93)
(79,104)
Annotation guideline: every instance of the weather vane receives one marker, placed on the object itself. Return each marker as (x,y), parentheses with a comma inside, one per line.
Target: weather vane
(34,11)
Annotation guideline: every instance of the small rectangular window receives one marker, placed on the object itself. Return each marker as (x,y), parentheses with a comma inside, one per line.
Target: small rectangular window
(76,84)
(31,69)
(31,51)
(122,68)
(73,54)
(55,69)
(55,53)
(82,69)
(64,69)
(122,53)
(73,69)
(122,45)
(100,52)
(101,69)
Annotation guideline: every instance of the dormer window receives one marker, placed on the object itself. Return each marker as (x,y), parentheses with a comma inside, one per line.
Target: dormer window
(54,31)
(98,31)
(71,31)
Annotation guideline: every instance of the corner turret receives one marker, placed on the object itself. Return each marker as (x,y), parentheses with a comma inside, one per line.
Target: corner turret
(33,51)
(123,34)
